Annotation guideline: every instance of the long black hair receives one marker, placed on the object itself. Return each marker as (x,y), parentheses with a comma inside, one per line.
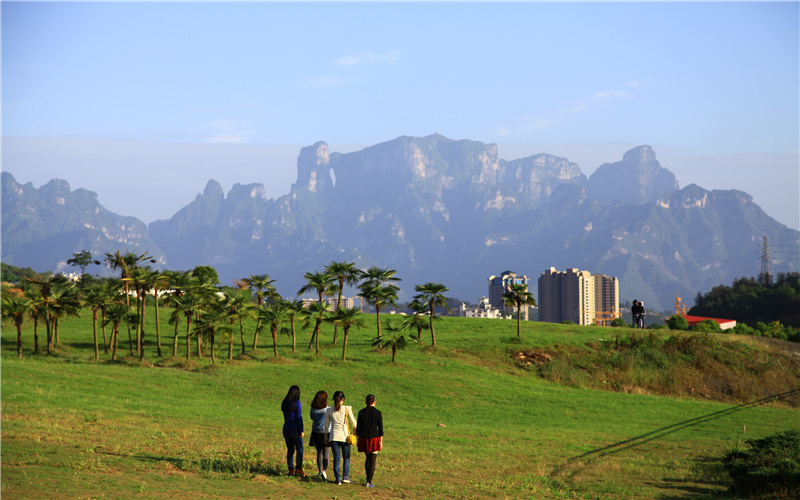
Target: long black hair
(289,404)
(338,396)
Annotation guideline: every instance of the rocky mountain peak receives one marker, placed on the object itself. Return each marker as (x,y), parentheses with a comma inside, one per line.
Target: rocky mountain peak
(213,189)
(637,179)
(313,168)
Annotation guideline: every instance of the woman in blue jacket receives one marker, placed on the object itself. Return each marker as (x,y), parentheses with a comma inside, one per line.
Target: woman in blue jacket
(293,430)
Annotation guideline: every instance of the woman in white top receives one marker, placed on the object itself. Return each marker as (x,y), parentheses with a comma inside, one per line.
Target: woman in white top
(339,418)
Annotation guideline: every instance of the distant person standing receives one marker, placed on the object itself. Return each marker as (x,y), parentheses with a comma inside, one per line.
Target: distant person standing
(293,430)
(319,432)
(339,418)
(370,436)
(635,313)
(641,314)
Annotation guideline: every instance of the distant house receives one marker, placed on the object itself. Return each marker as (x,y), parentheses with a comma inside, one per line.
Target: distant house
(483,310)
(724,324)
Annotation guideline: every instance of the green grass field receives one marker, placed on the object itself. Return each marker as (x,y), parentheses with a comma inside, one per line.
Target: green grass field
(461,421)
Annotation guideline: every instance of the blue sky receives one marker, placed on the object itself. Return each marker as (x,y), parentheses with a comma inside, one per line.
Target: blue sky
(231,91)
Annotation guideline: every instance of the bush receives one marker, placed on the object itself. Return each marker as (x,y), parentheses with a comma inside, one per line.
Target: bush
(707,326)
(677,322)
(771,466)
(618,323)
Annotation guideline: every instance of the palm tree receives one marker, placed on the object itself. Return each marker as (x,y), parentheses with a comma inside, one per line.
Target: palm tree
(125,264)
(294,308)
(214,320)
(276,315)
(517,295)
(379,296)
(344,273)
(177,282)
(115,314)
(35,311)
(418,320)
(42,301)
(432,295)
(110,288)
(237,301)
(319,283)
(158,282)
(94,298)
(395,342)
(15,309)
(64,301)
(185,307)
(380,276)
(262,284)
(346,318)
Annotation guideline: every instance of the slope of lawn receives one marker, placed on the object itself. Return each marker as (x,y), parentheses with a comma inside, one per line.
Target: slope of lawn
(462,420)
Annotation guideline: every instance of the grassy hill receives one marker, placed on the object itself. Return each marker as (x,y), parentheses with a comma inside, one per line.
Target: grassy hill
(467,419)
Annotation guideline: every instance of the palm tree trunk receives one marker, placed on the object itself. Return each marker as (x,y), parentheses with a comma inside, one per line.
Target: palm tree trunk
(210,339)
(188,342)
(344,344)
(35,335)
(294,339)
(230,348)
(158,328)
(274,331)
(19,338)
(56,339)
(319,326)
(141,330)
(433,334)
(394,353)
(255,334)
(127,322)
(378,313)
(114,336)
(48,330)
(103,322)
(94,331)
(199,344)
(338,305)
(519,316)
(241,333)
(175,341)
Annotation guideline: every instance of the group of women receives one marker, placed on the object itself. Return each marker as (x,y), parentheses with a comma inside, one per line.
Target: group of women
(329,432)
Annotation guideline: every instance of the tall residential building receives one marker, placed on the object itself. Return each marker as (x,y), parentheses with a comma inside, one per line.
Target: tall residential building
(578,296)
(498,286)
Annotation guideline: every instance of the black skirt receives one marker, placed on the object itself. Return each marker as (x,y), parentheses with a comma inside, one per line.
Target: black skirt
(317,440)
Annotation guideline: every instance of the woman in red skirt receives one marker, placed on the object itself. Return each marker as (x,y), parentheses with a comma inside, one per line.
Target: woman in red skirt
(369,428)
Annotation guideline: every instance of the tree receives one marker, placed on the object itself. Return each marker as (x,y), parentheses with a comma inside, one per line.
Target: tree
(115,314)
(346,318)
(379,296)
(395,342)
(213,320)
(320,283)
(125,264)
(677,322)
(418,320)
(82,260)
(618,322)
(276,315)
(345,273)
(237,301)
(15,309)
(95,298)
(432,295)
(707,326)
(206,273)
(36,313)
(517,295)
(262,284)
(294,308)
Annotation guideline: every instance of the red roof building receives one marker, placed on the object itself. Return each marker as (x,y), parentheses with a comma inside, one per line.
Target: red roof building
(724,324)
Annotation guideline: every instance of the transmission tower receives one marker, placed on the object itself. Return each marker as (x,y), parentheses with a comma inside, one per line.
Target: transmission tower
(766,264)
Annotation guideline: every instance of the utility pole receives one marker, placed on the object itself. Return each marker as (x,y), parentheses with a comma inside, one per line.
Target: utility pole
(765,278)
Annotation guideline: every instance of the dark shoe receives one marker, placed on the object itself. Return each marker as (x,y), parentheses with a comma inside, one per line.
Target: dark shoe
(291,472)
(300,473)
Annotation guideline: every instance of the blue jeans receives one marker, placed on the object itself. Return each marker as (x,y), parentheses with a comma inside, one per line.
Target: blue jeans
(342,450)
(293,442)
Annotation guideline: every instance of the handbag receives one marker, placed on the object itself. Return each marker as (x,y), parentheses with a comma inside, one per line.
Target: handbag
(351,438)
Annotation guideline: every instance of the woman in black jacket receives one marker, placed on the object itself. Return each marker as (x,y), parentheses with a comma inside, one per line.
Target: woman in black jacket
(369,428)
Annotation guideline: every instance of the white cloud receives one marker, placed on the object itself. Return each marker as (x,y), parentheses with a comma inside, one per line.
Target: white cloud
(359,58)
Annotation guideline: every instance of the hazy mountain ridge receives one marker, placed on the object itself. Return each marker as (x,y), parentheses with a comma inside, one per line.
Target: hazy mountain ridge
(437,209)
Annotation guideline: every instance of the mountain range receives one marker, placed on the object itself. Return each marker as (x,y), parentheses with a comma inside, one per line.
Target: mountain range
(434,209)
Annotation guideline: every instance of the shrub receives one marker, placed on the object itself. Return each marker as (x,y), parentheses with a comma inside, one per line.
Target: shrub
(707,326)
(677,322)
(618,323)
(771,466)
